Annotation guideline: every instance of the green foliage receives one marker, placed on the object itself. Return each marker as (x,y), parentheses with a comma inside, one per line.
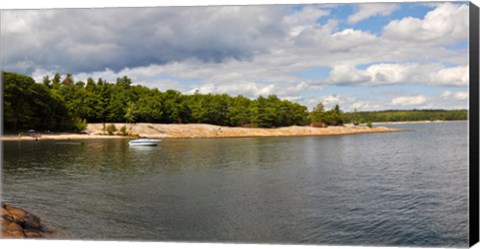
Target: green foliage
(239,113)
(317,114)
(46,81)
(124,131)
(27,105)
(80,84)
(124,82)
(56,81)
(407,115)
(111,129)
(79,124)
(273,112)
(103,102)
(69,106)
(130,111)
(331,117)
(369,124)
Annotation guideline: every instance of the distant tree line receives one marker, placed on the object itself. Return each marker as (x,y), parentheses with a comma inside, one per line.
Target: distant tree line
(405,115)
(62,104)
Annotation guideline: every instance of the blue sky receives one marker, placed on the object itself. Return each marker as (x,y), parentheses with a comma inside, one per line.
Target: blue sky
(363,56)
(375,24)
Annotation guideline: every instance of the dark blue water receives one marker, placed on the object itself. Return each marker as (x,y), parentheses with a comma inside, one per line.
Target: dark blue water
(404,188)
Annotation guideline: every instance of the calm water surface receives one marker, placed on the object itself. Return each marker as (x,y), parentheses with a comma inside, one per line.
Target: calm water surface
(402,188)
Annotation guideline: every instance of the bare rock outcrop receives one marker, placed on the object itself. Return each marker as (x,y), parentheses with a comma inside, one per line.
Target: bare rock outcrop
(18,223)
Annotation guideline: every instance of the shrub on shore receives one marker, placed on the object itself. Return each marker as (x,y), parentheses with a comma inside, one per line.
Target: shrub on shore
(124,131)
(319,125)
(111,129)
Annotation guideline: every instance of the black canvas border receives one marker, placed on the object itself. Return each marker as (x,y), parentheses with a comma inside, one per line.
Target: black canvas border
(474,125)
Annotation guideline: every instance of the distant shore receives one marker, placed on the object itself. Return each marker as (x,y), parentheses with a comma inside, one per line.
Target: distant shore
(95,131)
(417,122)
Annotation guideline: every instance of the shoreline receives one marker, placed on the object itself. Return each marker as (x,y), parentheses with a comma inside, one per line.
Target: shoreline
(94,131)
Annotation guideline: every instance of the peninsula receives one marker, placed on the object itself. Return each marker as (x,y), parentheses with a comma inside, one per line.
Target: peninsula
(96,131)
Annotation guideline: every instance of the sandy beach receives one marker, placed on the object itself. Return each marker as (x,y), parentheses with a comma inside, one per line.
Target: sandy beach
(95,131)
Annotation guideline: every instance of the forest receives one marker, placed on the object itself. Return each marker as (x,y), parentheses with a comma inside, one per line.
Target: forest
(65,105)
(62,104)
(405,115)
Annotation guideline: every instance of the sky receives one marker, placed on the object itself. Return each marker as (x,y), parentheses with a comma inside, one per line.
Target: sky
(363,56)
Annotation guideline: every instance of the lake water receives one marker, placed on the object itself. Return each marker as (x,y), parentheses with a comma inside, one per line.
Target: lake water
(401,188)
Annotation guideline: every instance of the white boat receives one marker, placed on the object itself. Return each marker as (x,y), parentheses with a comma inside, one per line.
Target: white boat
(144,141)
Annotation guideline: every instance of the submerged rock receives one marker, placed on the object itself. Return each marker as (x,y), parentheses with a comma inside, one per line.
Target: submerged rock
(31,222)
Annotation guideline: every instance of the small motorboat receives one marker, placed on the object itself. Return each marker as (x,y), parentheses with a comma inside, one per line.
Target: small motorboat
(144,141)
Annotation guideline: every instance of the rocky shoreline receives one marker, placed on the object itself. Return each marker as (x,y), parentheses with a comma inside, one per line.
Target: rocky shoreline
(18,223)
(95,131)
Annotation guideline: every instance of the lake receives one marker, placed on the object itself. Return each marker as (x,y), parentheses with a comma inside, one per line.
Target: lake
(401,188)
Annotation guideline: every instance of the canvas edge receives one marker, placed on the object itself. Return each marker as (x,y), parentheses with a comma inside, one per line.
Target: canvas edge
(474,124)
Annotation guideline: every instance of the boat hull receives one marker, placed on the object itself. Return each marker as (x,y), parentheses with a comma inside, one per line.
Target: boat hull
(141,142)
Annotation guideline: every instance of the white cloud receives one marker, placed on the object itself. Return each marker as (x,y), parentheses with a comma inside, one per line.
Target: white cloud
(86,40)
(254,50)
(390,73)
(456,95)
(347,103)
(347,74)
(398,100)
(248,89)
(446,94)
(446,24)
(399,73)
(461,95)
(368,10)
(305,17)
(409,100)
(456,76)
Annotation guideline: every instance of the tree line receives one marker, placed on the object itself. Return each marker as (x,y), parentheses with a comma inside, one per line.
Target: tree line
(405,115)
(62,104)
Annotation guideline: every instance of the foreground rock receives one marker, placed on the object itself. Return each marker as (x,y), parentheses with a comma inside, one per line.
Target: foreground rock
(18,223)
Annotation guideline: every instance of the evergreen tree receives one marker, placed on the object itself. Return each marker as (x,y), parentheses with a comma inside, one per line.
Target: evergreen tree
(56,81)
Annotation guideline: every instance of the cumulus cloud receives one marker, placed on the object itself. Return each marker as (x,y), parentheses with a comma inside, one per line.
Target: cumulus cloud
(347,74)
(368,10)
(308,15)
(76,40)
(248,50)
(348,102)
(399,73)
(398,100)
(455,95)
(446,24)
(248,89)
(390,73)
(409,100)
(456,76)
